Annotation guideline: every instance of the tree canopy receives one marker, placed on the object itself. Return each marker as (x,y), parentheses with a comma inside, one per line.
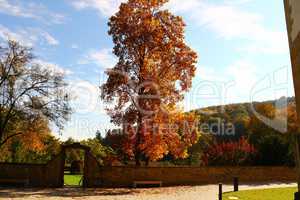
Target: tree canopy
(154,69)
(29,92)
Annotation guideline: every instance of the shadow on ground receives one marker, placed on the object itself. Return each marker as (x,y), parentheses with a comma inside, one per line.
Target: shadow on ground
(64,192)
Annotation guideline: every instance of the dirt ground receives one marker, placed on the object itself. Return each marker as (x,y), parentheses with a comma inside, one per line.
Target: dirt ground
(208,192)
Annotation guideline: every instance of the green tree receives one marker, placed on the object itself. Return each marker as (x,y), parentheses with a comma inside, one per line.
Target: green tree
(273,147)
(73,154)
(98,150)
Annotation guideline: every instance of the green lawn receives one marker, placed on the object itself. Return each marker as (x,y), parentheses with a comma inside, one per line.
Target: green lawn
(72,180)
(266,194)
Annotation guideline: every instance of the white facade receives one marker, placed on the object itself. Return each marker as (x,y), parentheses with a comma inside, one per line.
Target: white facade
(295,16)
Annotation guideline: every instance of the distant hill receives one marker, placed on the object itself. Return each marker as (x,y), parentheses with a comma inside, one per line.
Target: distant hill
(220,120)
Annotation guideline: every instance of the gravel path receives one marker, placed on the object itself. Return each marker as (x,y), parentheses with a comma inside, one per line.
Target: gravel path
(208,192)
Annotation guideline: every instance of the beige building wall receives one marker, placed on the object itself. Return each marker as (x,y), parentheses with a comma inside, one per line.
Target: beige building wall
(295,17)
(292,10)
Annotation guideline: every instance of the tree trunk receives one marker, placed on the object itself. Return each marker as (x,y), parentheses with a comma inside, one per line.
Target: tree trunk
(137,158)
(297,158)
(138,141)
(1,136)
(147,160)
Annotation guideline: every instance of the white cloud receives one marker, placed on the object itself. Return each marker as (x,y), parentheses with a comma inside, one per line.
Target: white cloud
(222,86)
(229,21)
(104,7)
(15,9)
(49,38)
(244,74)
(275,42)
(27,36)
(55,68)
(31,10)
(89,111)
(74,46)
(182,6)
(103,58)
(6,33)
(86,97)
(236,2)
(226,19)
(241,81)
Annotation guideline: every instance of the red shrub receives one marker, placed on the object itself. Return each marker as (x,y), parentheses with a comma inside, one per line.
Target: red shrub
(229,153)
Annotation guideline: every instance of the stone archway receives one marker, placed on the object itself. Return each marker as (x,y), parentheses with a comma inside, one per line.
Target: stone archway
(85,166)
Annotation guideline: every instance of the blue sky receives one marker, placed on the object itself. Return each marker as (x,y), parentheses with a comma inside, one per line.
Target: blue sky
(242,47)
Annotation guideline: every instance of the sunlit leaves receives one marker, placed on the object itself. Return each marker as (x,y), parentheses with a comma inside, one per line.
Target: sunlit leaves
(155,67)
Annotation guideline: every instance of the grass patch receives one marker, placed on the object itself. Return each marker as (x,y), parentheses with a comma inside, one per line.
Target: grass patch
(72,180)
(265,194)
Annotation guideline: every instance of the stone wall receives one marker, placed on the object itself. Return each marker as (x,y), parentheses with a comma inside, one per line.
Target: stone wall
(170,176)
(37,175)
(33,173)
(51,174)
(55,171)
(92,170)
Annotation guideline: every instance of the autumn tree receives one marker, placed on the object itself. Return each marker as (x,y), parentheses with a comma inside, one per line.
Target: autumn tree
(115,140)
(36,145)
(29,91)
(233,153)
(154,69)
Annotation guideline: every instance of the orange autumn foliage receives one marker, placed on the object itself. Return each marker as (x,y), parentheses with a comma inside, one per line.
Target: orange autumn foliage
(33,137)
(173,134)
(155,68)
(167,133)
